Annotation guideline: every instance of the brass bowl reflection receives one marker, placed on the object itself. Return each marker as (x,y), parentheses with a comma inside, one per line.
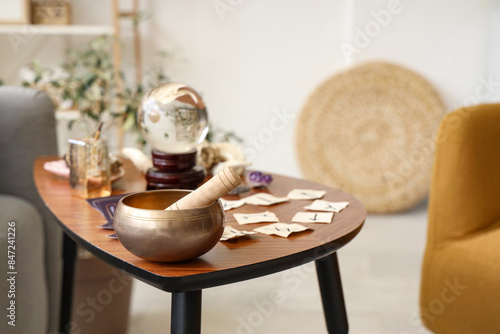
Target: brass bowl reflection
(148,231)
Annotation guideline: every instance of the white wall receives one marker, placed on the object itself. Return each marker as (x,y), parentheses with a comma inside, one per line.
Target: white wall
(259,58)
(446,41)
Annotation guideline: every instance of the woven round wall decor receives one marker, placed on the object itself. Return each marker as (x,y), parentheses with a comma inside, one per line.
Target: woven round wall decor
(370,132)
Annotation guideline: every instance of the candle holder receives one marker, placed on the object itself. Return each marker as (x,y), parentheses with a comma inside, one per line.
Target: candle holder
(173,120)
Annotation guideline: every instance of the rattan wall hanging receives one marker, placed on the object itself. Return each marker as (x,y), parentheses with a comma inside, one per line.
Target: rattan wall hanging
(370,132)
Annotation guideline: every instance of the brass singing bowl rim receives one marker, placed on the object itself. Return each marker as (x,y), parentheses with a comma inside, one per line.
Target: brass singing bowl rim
(128,207)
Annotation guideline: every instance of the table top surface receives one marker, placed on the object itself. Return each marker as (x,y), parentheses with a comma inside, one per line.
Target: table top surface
(230,261)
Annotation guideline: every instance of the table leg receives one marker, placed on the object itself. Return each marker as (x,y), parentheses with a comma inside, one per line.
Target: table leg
(69,261)
(327,269)
(186,312)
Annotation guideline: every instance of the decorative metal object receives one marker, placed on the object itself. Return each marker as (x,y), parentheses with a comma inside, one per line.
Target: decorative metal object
(149,231)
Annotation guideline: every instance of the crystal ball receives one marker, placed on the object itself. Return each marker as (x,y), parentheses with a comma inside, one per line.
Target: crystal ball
(173,118)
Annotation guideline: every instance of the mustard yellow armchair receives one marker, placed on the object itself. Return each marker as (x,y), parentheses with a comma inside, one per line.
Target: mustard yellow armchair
(460,289)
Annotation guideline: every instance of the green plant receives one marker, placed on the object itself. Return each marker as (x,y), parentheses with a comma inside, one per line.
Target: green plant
(91,82)
(217,134)
(87,82)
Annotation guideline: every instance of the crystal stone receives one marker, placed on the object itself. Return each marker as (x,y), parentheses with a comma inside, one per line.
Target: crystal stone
(173,118)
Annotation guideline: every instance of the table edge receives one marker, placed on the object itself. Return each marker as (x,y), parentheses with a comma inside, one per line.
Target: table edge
(220,277)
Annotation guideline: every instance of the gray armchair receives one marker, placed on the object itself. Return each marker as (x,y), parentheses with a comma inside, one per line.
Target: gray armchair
(27,130)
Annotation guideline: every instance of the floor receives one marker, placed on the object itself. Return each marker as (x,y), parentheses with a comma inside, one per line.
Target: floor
(380,271)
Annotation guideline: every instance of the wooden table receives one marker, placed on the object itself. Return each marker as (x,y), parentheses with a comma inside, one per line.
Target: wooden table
(228,262)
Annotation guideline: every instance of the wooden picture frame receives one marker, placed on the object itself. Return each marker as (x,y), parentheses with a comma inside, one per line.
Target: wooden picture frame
(15,12)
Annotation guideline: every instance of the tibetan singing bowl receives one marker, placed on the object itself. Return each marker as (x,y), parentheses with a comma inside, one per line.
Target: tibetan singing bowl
(148,231)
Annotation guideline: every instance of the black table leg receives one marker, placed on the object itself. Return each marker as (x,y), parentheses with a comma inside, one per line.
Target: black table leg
(327,269)
(186,312)
(69,261)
